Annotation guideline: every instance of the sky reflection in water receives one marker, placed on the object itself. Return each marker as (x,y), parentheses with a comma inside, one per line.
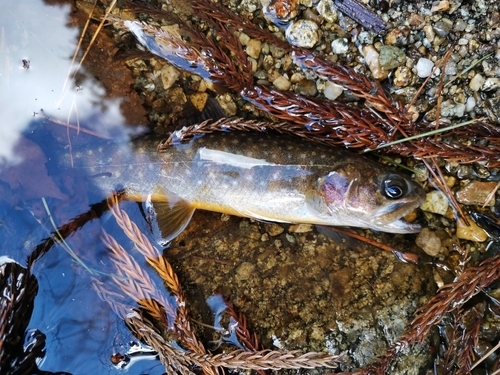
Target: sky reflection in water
(82,331)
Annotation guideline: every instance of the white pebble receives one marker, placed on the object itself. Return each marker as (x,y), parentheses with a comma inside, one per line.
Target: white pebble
(332,91)
(340,46)
(302,33)
(470,104)
(424,67)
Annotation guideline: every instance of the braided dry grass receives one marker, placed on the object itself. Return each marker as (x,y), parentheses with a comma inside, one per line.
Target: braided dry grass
(259,360)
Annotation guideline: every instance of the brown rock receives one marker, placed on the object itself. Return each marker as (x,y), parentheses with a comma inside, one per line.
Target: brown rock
(476,193)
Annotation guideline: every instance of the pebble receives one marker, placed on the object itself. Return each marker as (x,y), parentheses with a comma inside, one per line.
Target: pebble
(422,173)
(245,270)
(398,36)
(435,202)
(476,82)
(282,83)
(471,232)
(280,12)
(303,33)
(428,241)
(300,228)
(169,75)
(481,171)
(451,68)
(372,60)
(451,109)
(340,46)
(254,47)
(228,105)
(402,76)
(476,193)
(306,87)
(460,25)
(429,32)
(273,229)
(199,100)
(464,172)
(332,91)
(327,10)
(416,19)
(249,230)
(443,27)
(491,84)
(424,67)
(391,57)
(470,104)
(441,6)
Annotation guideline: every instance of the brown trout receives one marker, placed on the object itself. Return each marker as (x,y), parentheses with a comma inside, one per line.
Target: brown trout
(256,176)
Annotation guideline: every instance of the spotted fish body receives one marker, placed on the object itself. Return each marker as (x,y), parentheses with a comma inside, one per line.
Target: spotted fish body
(259,176)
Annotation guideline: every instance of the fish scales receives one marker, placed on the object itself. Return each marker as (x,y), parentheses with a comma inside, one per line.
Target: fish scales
(259,176)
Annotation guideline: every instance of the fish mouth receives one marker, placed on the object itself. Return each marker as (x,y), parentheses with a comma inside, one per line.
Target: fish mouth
(392,219)
(402,226)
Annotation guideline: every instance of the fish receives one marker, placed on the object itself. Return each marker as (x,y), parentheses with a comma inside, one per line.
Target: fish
(254,175)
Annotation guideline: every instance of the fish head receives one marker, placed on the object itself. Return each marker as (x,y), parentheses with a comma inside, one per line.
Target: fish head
(369,195)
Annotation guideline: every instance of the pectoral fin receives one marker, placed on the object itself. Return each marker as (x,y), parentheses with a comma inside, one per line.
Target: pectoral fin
(315,201)
(168,216)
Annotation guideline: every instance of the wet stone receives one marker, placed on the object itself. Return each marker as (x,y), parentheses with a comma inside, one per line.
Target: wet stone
(464,172)
(428,241)
(435,202)
(451,109)
(402,76)
(169,75)
(249,230)
(282,83)
(307,87)
(391,57)
(273,229)
(281,12)
(245,270)
(491,84)
(440,6)
(476,193)
(300,228)
(471,232)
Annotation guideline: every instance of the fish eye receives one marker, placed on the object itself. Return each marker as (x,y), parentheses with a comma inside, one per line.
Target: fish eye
(394,187)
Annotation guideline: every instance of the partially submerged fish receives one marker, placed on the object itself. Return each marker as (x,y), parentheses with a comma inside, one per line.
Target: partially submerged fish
(256,176)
